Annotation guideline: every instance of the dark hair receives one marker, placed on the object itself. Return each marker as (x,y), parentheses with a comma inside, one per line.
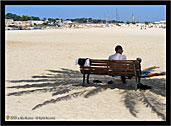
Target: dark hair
(118,47)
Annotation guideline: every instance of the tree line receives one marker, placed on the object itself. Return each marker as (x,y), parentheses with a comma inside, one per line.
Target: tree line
(20,18)
(90,20)
(78,20)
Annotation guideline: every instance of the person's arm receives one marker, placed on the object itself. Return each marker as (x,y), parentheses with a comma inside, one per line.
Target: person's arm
(109,58)
(123,57)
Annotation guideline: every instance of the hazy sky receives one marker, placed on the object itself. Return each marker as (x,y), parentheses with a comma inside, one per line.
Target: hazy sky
(124,12)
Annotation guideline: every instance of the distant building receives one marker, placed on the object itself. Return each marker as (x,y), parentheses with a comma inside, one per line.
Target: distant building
(18,23)
(156,22)
(163,22)
(12,23)
(8,22)
(67,22)
(34,22)
(46,21)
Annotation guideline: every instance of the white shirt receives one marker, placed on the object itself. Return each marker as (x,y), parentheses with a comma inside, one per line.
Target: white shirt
(117,56)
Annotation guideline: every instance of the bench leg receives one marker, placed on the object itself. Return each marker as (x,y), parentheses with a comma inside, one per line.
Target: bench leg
(139,79)
(136,85)
(83,78)
(138,82)
(123,79)
(88,78)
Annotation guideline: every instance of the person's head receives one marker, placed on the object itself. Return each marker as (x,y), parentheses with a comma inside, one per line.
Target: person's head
(119,49)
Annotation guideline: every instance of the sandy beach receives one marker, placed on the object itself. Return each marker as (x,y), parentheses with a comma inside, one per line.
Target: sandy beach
(43,82)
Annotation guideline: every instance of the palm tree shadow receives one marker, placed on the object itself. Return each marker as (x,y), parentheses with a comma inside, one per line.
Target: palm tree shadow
(68,83)
(150,69)
(149,98)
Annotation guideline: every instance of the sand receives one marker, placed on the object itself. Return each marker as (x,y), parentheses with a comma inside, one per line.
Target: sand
(43,82)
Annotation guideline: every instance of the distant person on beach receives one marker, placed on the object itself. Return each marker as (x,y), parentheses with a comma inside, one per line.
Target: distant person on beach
(118,56)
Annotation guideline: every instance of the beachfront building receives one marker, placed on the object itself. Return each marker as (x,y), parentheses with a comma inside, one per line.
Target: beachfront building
(59,22)
(26,23)
(8,22)
(18,23)
(36,22)
(11,22)
(160,24)
(46,21)
(22,23)
(67,22)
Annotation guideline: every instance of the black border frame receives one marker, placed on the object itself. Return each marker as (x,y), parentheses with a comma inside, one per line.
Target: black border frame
(94,123)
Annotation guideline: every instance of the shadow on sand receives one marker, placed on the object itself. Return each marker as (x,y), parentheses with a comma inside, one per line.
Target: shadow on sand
(68,83)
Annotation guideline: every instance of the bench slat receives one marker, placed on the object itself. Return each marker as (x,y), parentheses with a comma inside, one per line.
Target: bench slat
(115,61)
(119,74)
(111,68)
(89,67)
(123,68)
(114,68)
(124,63)
(99,64)
(132,72)
(123,71)
(102,72)
(110,72)
(99,61)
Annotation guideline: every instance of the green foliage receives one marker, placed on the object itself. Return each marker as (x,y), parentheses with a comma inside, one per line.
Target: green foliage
(20,18)
(90,20)
(133,22)
(78,20)
(44,19)
(51,20)
(127,22)
(146,22)
(45,24)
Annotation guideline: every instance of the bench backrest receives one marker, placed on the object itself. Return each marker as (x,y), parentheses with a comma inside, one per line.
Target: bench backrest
(112,67)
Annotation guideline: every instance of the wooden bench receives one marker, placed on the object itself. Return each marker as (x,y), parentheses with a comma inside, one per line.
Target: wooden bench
(126,68)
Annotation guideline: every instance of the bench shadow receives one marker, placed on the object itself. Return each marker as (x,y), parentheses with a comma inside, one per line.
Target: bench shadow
(66,84)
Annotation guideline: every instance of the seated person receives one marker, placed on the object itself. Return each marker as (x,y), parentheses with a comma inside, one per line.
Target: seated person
(118,56)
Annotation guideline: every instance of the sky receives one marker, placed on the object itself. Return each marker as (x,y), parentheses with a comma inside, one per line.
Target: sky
(124,13)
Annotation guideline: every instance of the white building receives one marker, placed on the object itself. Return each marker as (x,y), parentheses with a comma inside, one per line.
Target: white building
(156,22)
(8,22)
(160,22)
(67,22)
(163,22)
(33,22)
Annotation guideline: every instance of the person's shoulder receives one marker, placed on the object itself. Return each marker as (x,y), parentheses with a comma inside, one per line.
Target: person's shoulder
(110,57)
(123,57)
